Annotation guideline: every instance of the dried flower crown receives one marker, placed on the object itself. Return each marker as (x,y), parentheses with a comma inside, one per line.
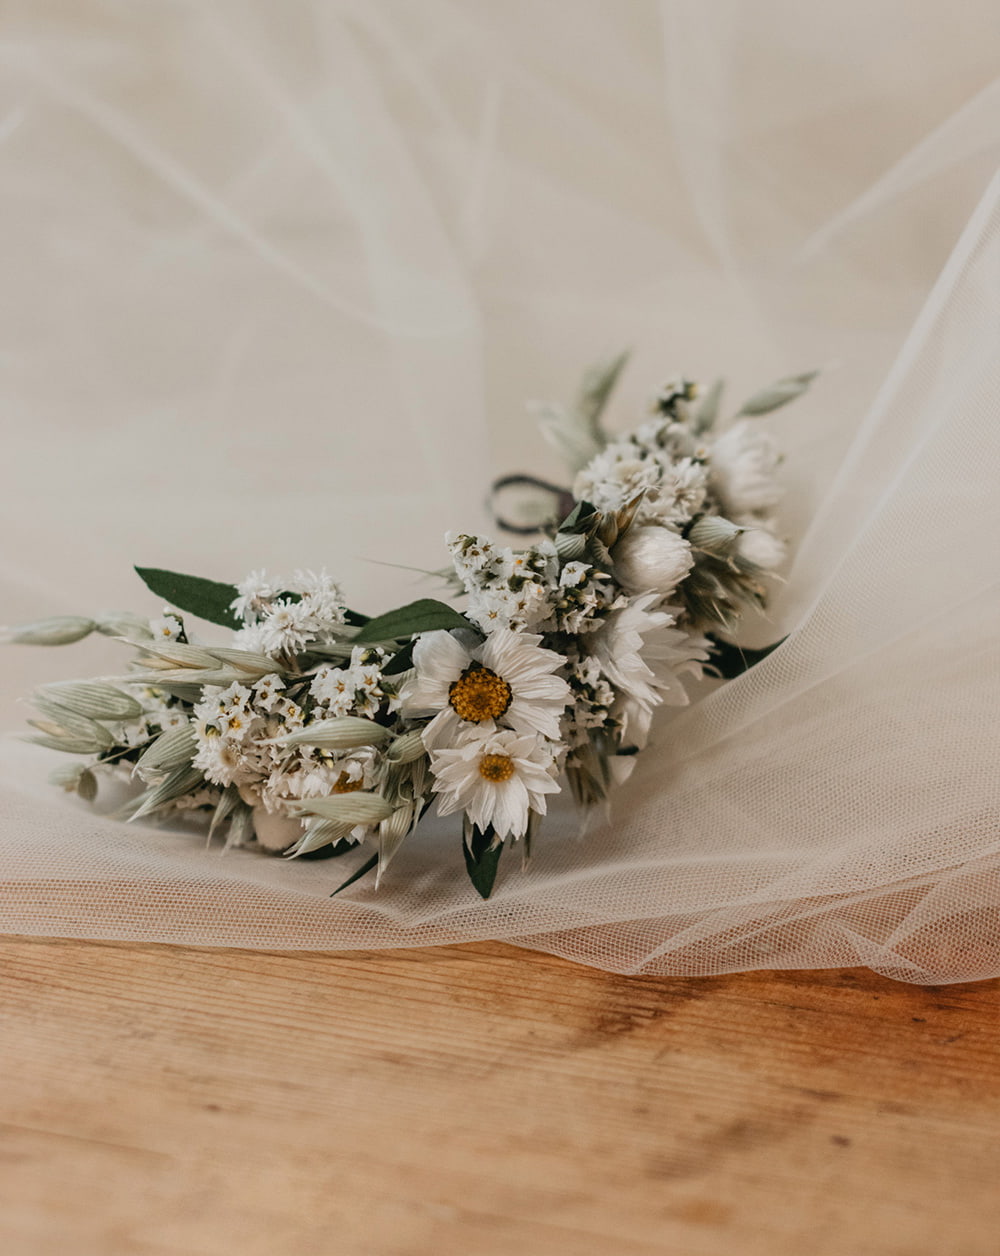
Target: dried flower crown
(317,728)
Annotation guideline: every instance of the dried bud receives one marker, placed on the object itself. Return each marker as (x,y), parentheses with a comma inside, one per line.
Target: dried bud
(59,630)
(651,559)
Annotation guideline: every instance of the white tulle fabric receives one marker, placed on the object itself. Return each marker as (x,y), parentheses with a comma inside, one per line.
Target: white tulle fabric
(277,280)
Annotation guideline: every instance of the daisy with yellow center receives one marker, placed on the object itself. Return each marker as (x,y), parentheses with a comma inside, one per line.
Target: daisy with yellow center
(497,778)
(509,680)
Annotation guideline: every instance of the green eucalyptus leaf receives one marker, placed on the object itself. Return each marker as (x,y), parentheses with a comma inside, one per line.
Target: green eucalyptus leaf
(482,850)
(731,660)
(366,867)
(425,615)
(400,662)
(208,599)
(778,394)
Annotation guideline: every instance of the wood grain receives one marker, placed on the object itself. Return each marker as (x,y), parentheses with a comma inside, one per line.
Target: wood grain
(482,1100)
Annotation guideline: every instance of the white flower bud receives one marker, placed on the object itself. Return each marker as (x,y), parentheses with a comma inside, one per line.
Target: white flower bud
(651,559)
(744,465)
(763,548)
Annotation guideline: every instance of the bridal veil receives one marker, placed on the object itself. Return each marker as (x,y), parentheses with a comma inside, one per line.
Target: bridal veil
(278,280)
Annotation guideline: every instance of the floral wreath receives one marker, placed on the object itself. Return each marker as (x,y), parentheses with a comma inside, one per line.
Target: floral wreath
(317,728)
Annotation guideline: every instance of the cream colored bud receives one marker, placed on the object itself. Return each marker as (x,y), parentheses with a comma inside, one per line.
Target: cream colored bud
(345,732)
(407,748)
(123,624)
(59,630)
(651,559)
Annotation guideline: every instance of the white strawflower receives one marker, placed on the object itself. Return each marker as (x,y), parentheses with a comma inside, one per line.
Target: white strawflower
(616,475)
(678,494)
(643,655)
(651,559)
(497,779)
(508,680)
(744,469)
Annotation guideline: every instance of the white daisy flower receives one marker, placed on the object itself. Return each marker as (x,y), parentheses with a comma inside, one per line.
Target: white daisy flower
(507,680)
(643,656)
(497,779)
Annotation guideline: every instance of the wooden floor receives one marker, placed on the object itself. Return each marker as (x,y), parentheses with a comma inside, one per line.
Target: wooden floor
(482,1100)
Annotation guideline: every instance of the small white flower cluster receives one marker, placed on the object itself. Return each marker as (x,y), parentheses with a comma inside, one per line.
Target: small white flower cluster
(282,617)
(360,688)
(238,732)
(506,588)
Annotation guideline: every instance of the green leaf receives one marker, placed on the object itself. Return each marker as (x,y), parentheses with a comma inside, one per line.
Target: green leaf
(356,876)
(708,411)
(778,394)
(482,855)
(596,388)
(208,599)
(425,615)
(733,660)
(401,661)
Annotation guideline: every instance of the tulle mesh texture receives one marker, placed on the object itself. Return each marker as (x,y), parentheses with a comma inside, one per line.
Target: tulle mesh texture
(278,280)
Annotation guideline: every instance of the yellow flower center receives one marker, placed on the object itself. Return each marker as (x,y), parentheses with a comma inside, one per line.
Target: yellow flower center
(479,694)
(496,767)
(344,785)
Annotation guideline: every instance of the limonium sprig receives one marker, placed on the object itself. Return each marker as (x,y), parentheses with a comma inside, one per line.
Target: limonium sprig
(313,729)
